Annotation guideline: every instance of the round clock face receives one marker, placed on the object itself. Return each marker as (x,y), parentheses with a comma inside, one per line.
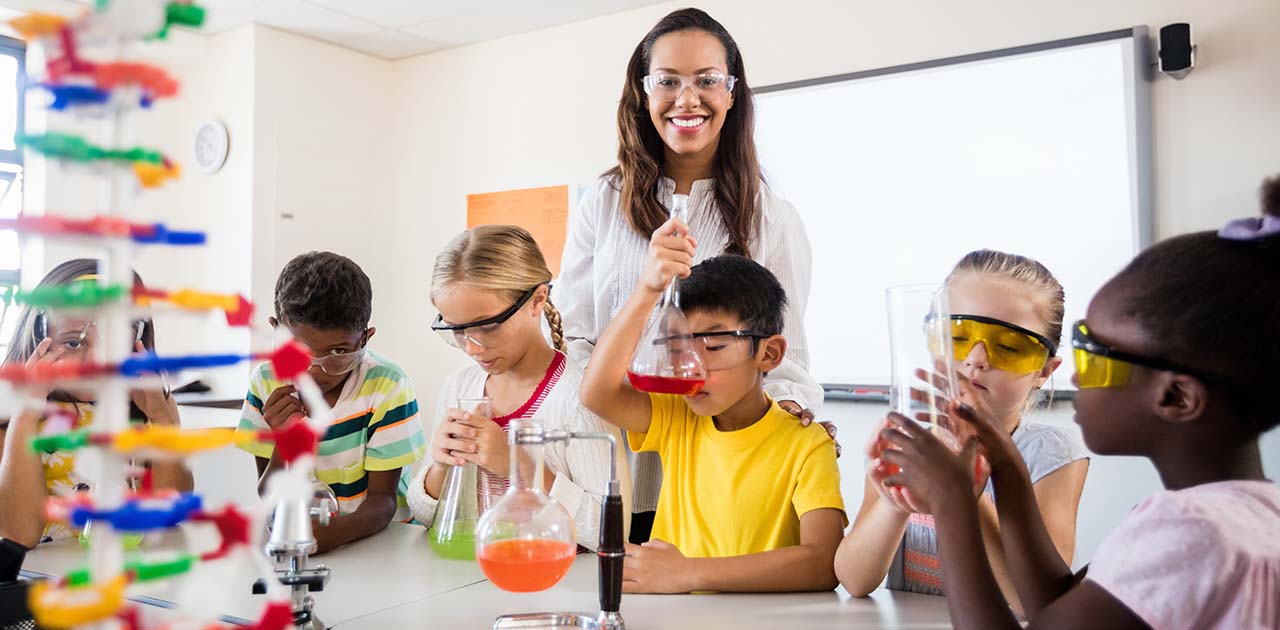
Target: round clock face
(211,146)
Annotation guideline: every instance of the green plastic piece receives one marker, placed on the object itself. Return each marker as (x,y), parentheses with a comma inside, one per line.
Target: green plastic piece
(161,570)
(85,293)
(69,441)
(177,14)
(68,147)
(77,578)
(141,571)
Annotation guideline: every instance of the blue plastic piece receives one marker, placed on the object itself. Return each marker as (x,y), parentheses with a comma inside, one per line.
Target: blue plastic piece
(185,238)
(164,236)
(149,363)
(133,517)
(65,96)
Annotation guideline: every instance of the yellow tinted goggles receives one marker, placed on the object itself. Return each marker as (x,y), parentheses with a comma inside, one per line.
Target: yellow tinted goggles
(1099,365)
(1009,347)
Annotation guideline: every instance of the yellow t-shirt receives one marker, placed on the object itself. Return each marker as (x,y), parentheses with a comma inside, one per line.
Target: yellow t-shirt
(731,493)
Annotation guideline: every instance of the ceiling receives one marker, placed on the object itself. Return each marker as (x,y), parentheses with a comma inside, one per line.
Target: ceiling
(390,29)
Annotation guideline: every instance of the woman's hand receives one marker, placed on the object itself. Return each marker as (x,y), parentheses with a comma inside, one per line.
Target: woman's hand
(155,402)
(929,471)
(43,356)
(670,256)
(467,437)
(806,417)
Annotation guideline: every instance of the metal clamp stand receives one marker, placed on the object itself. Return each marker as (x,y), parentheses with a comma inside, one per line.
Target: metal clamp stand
(610,552)
(292,542)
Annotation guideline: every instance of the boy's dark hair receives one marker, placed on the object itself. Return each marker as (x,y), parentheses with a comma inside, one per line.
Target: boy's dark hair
(738,286)
(1213,304)
(324,291)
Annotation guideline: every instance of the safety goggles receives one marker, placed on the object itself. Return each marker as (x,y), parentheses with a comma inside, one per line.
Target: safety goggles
(708,86)
(333,364)
(1009,347)
(485,332)
(76,335)
(723,349)
(1101,366)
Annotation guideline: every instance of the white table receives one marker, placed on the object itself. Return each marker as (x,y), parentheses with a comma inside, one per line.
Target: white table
(392,568)
(477,605)
(394,580)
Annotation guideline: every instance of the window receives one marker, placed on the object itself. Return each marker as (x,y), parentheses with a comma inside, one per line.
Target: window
(12,62)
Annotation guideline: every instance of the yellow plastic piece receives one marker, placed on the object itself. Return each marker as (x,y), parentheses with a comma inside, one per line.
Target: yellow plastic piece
(187,298)
(67,607)
(154,175)
(33,25)
(173,439)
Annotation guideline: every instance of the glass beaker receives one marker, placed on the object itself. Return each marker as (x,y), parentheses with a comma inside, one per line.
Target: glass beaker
(462,499)
(666,359)
(526,542)
(920,339)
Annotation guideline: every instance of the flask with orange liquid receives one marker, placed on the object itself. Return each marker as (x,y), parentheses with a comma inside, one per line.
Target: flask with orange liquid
(526,542)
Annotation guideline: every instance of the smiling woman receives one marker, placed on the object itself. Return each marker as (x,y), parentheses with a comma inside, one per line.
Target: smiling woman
(685,127)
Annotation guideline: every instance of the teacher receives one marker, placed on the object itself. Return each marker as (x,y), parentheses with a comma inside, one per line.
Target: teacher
(685,127)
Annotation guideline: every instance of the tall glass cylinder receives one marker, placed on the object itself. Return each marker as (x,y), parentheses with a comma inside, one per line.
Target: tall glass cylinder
(920,339)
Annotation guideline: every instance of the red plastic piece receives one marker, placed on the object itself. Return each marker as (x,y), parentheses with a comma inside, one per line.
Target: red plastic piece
(53,225)
(276,616)
(233,527)
(154,80)
(243,315)
(21,374)
(290,360)
(295,439)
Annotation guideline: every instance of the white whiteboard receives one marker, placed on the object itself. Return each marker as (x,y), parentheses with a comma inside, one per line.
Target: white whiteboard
(1042,153)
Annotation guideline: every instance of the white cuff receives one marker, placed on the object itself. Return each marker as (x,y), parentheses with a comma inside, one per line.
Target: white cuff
(567,493)
(421,505)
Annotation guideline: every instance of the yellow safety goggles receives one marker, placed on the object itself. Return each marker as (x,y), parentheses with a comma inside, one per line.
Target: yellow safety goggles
(1010,347)
(1099,365)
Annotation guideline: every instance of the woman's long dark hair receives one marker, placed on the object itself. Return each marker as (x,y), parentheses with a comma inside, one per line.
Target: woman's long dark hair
(641,153)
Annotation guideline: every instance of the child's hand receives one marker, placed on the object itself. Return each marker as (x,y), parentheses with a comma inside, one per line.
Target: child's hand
(281,406)
(670,256)
(656,567)
(467,437)
(878,470)
(806,417)
(156,403)
(45,354)
(930,473)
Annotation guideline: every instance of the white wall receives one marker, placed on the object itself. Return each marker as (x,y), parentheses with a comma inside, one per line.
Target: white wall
(322,163)
(538,109)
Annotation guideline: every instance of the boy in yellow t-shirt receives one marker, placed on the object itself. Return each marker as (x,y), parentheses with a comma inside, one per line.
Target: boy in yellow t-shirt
(750,499)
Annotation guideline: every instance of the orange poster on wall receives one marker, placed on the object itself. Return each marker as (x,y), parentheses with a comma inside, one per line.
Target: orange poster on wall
(542,211)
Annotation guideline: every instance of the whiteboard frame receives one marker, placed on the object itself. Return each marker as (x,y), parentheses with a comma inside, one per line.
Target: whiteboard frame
(1138,76)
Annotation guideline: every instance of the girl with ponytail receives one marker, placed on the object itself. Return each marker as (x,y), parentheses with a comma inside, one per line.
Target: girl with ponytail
(491,287)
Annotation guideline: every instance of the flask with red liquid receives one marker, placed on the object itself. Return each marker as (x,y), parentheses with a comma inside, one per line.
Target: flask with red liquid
(526,542)
(667,359)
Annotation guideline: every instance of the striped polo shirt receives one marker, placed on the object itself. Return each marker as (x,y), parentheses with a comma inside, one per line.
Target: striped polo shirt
(376,427)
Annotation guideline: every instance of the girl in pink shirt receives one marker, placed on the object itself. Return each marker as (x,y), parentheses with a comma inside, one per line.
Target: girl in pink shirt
(1175,362)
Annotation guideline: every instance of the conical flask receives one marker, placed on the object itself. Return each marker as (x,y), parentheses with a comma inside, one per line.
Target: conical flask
(526,542)
(462,500)
(667,359)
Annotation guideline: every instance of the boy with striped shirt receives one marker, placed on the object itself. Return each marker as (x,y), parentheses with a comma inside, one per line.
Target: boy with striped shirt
(325,302)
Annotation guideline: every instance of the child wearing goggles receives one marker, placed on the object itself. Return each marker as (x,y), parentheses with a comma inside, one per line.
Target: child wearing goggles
(492,288)
(1007,318)
(1175,362)
(324,301)
(44,337)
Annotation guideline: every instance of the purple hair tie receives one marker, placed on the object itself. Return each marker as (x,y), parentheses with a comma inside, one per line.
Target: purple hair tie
(1251,229)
